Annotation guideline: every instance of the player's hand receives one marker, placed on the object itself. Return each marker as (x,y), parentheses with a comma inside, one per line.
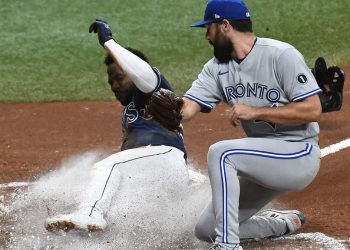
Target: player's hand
(241,112)
(102,29)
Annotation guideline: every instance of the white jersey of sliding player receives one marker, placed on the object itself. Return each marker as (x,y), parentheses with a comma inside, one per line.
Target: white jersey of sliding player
(273,74)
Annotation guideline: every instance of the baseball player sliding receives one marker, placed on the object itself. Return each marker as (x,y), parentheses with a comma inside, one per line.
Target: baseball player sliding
(274,96)
(148,144)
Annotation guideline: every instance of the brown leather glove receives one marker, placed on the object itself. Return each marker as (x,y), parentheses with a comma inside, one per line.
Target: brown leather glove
(164,106)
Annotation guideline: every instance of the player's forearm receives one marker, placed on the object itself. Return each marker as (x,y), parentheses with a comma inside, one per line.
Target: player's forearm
(291,114)
(139,71)
(189,109)
(295,113)
(283,115)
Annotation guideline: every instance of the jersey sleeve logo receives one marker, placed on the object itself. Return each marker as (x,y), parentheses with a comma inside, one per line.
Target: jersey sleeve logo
(302,78)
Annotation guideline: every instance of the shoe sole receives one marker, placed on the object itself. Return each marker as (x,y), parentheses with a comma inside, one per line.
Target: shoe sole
(68,225)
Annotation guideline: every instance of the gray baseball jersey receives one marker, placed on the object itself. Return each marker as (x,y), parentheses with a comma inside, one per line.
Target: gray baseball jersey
(245,174)
(273,74)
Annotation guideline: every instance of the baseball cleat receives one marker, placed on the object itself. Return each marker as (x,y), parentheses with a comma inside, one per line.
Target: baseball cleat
(217,246)
(80,220)
(294,219)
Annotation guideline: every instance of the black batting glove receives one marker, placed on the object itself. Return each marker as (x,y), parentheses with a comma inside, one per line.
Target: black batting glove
(102,29)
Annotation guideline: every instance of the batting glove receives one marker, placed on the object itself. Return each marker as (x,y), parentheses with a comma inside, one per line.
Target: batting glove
(102,29)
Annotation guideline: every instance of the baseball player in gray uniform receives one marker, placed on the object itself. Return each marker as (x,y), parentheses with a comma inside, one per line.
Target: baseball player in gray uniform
(274,97)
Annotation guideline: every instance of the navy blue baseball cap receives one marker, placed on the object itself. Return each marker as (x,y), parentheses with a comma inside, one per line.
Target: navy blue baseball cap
(218,10)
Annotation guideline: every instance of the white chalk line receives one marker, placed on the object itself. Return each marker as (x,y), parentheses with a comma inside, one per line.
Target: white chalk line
(197,178)
(319,239)
(335,147)
(14,185)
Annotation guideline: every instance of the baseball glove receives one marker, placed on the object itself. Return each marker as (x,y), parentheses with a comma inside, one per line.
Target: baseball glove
(164,106)
(331,81)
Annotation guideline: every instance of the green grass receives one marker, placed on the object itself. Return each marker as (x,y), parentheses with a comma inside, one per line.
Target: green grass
(47,53)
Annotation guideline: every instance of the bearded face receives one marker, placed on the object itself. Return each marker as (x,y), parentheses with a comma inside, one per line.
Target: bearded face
(223,47)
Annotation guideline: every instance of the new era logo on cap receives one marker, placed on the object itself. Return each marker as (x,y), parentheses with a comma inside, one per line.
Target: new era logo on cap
(217,10)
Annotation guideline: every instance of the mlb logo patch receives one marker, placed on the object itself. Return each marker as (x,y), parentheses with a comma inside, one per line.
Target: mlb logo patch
(302,78)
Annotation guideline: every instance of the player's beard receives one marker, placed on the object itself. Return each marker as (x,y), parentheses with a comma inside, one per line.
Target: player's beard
(125,95)
(223,48)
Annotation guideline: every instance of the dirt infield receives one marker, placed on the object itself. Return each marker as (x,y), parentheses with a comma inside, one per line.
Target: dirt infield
(36,137)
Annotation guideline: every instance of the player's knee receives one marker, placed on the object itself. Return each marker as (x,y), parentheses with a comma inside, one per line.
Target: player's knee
(216,150)
(101,166)
(97,165)
(202,233)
